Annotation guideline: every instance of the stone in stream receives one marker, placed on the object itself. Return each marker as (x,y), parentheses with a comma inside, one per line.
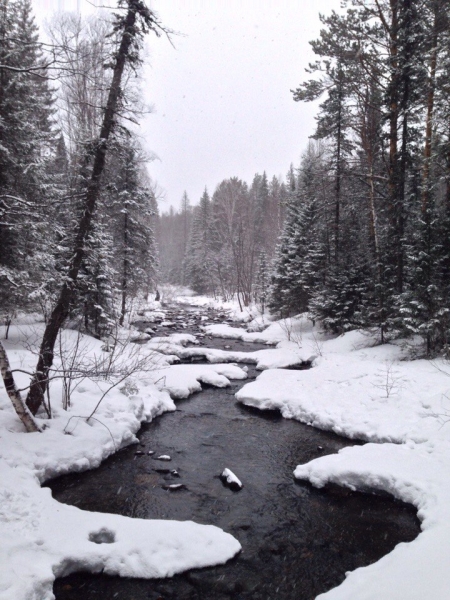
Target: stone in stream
(151,452)
(139,453)
(163,457)
(140,338)
(174,473)
(174,487)
(230,479)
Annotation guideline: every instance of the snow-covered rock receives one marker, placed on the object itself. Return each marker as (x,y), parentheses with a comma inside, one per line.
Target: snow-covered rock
(231,480)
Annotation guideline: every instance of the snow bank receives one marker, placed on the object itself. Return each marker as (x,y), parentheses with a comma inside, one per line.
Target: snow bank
(419,474)
(42,539)
(375,393)
(183,380)
(274,358)
(270,336)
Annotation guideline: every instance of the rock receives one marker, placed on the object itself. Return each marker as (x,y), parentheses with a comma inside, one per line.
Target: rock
(163,457)
(319,447)
(227,347)
(230,479)
(141,337)
(151,452)
(174,487)
(139,453)
(163,471)
(174,473)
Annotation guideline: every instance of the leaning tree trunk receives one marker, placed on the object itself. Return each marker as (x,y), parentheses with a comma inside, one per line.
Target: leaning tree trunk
(60,312)
(19,405)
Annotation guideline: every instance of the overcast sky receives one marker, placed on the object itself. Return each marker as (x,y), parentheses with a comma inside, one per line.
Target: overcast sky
(222,100)
(223,105)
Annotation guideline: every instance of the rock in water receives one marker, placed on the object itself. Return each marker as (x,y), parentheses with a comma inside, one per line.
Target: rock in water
(230,479)
(174,487)
(163,457)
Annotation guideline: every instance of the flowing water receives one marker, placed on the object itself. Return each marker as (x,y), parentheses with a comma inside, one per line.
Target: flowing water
(297,541)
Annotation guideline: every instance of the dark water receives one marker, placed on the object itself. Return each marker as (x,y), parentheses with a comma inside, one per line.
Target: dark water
(297,541)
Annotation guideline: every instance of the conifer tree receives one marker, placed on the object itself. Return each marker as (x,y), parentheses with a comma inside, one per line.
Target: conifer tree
(26,140)
(199,265)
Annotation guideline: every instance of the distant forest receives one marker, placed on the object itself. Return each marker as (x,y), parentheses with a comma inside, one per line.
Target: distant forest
(364,220)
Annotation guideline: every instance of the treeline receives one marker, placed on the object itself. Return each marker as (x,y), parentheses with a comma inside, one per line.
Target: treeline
(52,102)
(366,235)
(224,245)
(366,242)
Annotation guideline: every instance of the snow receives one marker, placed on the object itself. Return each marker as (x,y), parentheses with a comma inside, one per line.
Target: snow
(270,336)
(183,380)
(42,539)
(174,346)
(402,407)
(272,358)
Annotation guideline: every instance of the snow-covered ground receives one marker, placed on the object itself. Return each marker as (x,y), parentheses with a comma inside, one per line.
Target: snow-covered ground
(355,388)
(41,539)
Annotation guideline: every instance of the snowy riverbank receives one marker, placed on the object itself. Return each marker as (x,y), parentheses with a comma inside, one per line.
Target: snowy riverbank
(355,388)
(42,539)
(375,393)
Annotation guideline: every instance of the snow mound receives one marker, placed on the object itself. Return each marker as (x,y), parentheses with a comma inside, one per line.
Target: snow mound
(412,473)
(183,380)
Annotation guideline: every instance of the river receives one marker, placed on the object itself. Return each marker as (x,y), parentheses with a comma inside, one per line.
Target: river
(297,541)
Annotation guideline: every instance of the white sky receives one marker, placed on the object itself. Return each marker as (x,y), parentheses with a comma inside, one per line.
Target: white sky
(222,97)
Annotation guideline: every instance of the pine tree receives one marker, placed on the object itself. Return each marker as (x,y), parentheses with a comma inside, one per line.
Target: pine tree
(300,261)
(132,208)
(26,140)
(198,262)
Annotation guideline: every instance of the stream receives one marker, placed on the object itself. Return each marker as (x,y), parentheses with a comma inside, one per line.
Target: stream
(297,541)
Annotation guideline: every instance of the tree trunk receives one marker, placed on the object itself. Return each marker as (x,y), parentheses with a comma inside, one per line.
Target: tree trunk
(60,312)
(19,405)
(429,119)
(124,268)
(337,189)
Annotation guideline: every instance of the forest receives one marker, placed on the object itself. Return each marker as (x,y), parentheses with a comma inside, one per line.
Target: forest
(358,234)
